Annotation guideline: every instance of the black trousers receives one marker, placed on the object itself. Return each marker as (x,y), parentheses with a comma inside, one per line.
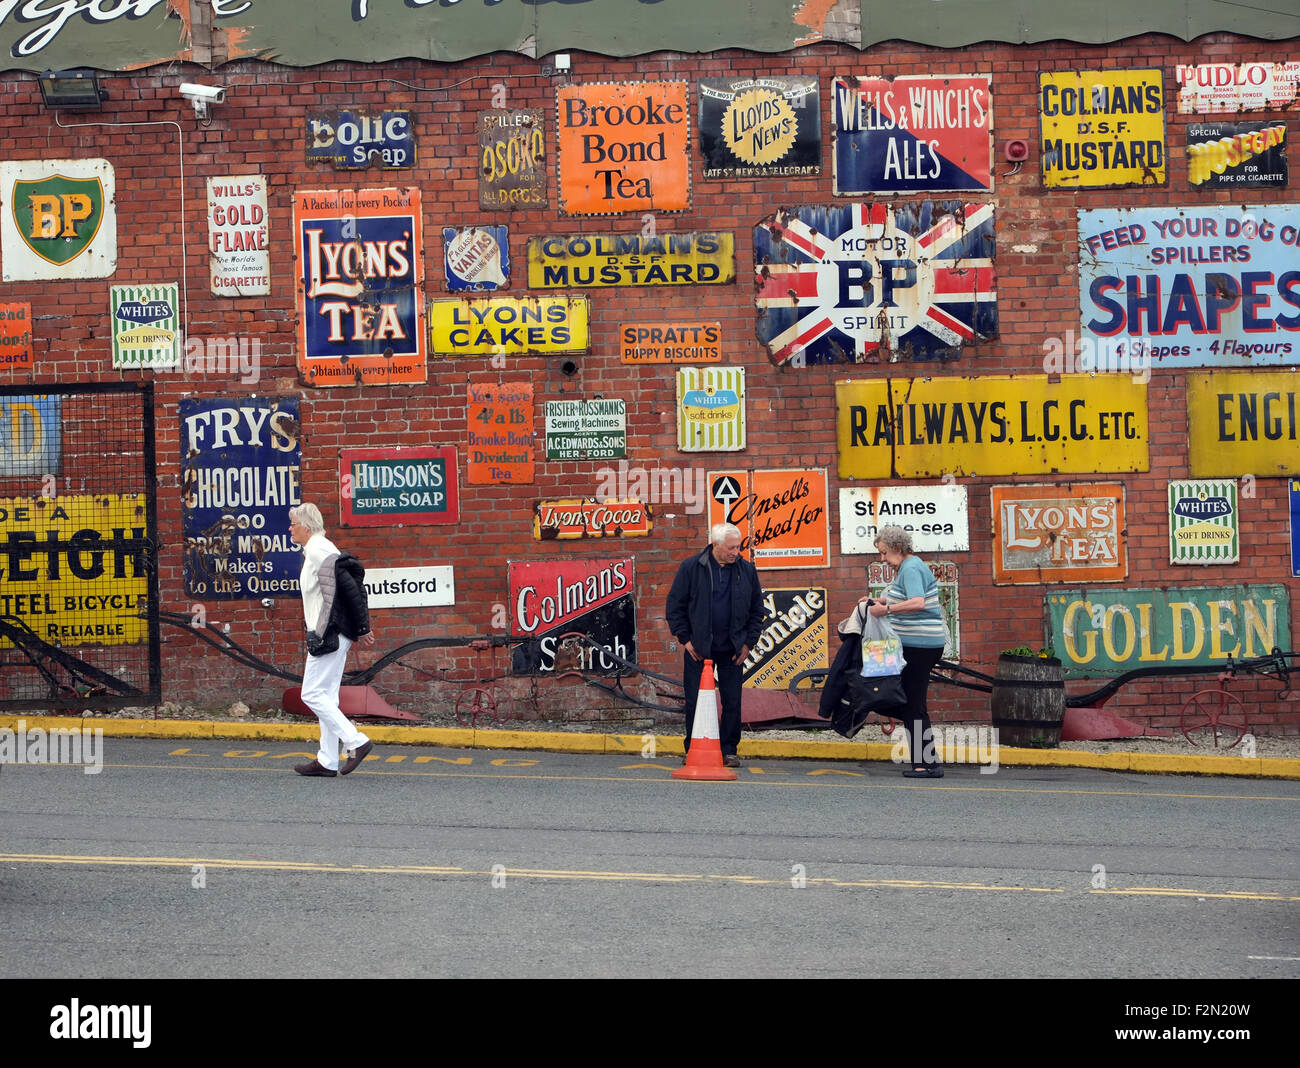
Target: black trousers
(916,716)
(727,677)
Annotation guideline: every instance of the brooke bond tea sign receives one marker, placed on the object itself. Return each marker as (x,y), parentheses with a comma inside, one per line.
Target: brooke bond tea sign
(624,147)
(1059,533)
(58,219)
(239,256)
(760,127)
(861,283)
(409,486)
(551,598)
(360,269)
(912,134)
(586,517)
(500,417)
(512,160)
(782,514)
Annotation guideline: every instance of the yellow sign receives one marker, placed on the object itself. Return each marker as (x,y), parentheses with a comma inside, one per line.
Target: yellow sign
(1102,128)
(990,425)
(1243,423)
(701,259)
(486,326)
(72,568)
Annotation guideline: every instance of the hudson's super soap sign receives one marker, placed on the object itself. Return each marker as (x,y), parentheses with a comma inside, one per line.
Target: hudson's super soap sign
(1102,128)
(360,265)
(384,487)
(862,283)
(912,134)
(1195,286)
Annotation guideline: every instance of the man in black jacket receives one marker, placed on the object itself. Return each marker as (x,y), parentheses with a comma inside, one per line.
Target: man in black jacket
(335,611)
(715,610)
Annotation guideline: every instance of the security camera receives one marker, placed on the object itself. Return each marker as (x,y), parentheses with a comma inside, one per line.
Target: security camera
(201,96)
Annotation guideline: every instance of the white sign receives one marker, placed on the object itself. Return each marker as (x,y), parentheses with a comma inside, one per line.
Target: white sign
(58,219)
(935,516)
(1218,88)
(239,236)
(410,587)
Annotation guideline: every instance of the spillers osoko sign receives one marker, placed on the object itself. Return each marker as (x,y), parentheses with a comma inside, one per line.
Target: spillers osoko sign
(241,472)
(360,268)
(512,160)
(589,596)
(58,219)
(398,486)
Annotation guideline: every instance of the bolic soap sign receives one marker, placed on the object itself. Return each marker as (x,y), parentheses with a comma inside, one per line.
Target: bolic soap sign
(782,515)
(1102,128)
(586,429)
(238,236)
(624,147)
(702,259)
(1111,631)
(1237,154)
(912,134)
(360,268)
(587,517)
(1243,422)
(241,472)
(1203,521)
(384,487)
(512,159)
(865,283)
(1072,533)
(793,638)
(354,139)
(550,599)
(1194,287)
(991,425)
(58,219)
(768,127)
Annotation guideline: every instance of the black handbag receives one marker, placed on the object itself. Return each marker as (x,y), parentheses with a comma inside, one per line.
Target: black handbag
(321,646)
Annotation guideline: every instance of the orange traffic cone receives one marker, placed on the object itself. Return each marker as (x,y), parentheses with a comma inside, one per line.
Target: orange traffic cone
(704,758)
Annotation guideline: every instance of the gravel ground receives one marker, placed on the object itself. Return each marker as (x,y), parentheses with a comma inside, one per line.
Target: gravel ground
(1288,746)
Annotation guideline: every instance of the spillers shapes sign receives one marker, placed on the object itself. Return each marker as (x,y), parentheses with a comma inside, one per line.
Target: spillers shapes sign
(553,598)
(58,219)
(624,147)
(862,283)
(760,127)
(360,269)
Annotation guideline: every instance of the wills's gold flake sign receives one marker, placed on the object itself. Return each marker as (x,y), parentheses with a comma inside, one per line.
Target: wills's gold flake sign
(991,425)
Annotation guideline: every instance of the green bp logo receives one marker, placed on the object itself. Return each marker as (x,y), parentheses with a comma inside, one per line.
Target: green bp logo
(58,217)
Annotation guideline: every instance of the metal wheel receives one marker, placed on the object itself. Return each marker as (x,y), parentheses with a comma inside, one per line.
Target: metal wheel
(1209,715)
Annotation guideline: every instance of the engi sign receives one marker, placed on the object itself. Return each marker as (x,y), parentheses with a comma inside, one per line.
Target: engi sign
(1241,422)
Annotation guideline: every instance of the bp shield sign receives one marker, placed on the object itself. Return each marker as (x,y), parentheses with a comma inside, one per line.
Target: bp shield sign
(58,219)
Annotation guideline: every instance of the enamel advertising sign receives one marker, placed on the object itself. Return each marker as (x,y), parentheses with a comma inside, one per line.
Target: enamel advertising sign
(865,283)
(552,600)
(1102,128)
(408,486)
(768,127)
(239,257)
(912,134)
(360,270)
(782,515)
(58,219)
(1071,533)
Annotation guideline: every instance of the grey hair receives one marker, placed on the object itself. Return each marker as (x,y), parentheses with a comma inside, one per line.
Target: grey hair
(720,532)
(309,516)
(895,539)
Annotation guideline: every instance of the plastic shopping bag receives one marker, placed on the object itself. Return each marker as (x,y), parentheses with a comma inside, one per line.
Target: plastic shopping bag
(882,650)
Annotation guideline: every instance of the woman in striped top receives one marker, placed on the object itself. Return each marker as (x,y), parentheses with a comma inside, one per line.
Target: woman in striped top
(911,603)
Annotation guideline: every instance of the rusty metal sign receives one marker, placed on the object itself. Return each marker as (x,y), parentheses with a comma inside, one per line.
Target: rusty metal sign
(490,326)
(671,342)
(793,638)
(1226,88)
(354,139)
(551,599)
(587,517)
(1243,422)
(512,159)
(865,283)
(1102,128)
(15,335)
(1071,533)
(696,259)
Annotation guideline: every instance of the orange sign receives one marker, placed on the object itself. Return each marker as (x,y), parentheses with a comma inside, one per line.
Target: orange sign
(782,515)
(500,433)
(624,147)
(15,335)
(1059,533)
(671,342)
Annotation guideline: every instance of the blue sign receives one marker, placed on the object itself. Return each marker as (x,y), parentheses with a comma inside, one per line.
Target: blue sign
(31,436)
(354,140)
(1201,286)
(477,258)
(241,464)
(1294,485)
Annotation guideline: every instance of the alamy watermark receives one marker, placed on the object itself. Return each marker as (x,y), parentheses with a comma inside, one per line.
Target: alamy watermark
(952,745)
(686,486)
(58,745)
(1088,355)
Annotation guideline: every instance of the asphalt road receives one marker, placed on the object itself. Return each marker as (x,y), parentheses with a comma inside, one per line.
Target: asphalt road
(214,860)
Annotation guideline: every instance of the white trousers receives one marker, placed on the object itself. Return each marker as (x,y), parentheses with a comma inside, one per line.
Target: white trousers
(320,692)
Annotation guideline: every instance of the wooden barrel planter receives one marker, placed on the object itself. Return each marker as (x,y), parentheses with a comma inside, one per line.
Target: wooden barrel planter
(1028,701)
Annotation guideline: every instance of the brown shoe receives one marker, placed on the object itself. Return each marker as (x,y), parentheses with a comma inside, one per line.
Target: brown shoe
(731,760)
(355,758)
(314,768)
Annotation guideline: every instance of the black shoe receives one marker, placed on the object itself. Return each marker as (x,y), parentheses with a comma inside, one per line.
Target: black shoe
(314,768)
(354,760)
(930,771)
(731,760)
